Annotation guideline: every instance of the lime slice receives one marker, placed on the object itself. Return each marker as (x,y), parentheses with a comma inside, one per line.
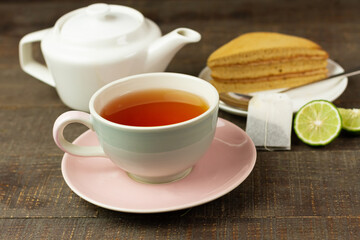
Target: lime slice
(350,119)
(317,123)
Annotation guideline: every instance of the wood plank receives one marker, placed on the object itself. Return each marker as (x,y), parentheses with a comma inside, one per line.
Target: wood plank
(28,131)
(182,227)
(222,23)
(286,184)
(33,187)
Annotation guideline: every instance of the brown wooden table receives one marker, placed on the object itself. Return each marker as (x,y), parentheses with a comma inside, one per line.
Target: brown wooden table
(305,193)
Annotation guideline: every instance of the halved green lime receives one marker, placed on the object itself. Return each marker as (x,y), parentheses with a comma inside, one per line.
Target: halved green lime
(317,123)
(350,119)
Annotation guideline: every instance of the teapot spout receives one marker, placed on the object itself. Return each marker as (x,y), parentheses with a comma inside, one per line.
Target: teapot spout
(164,49)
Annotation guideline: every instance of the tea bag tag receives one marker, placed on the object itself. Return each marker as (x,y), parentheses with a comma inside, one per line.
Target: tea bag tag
(269,121)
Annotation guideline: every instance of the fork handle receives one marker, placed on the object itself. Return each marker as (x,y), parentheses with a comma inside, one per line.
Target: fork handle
(349,73)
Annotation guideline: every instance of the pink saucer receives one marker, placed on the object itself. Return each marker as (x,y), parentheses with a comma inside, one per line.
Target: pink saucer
(228,162)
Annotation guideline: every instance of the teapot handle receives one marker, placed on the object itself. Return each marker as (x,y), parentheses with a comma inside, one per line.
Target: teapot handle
(27,61)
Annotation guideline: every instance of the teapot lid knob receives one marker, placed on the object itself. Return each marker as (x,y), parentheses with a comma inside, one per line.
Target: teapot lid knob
(98,9)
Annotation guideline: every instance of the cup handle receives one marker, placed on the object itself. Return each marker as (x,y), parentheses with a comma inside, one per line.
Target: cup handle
(27,62)
(58,134)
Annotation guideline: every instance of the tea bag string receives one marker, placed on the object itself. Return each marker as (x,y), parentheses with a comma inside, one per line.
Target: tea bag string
(266,127)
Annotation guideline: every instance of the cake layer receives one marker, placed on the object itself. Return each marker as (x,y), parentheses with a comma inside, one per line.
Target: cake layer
(260,46)
(270,68)
(262,84)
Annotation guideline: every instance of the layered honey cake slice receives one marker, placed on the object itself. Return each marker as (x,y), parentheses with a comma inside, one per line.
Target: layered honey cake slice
(263,60)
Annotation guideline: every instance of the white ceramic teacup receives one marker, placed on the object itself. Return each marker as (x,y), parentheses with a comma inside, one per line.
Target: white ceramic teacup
(148,154)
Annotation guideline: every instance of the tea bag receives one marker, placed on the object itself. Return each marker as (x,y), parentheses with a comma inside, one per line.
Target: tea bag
(269,121)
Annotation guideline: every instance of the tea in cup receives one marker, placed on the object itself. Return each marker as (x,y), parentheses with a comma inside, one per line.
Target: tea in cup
(154,126)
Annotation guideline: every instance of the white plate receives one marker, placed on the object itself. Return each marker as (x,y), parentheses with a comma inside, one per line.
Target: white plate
(326,90)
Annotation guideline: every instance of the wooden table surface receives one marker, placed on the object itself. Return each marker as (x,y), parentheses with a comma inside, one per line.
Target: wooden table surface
(305,193)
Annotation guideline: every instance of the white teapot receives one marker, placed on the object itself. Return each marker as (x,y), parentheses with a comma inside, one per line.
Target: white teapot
(92,46)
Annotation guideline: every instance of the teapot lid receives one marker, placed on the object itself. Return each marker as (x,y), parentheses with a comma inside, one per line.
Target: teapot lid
(99,22)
